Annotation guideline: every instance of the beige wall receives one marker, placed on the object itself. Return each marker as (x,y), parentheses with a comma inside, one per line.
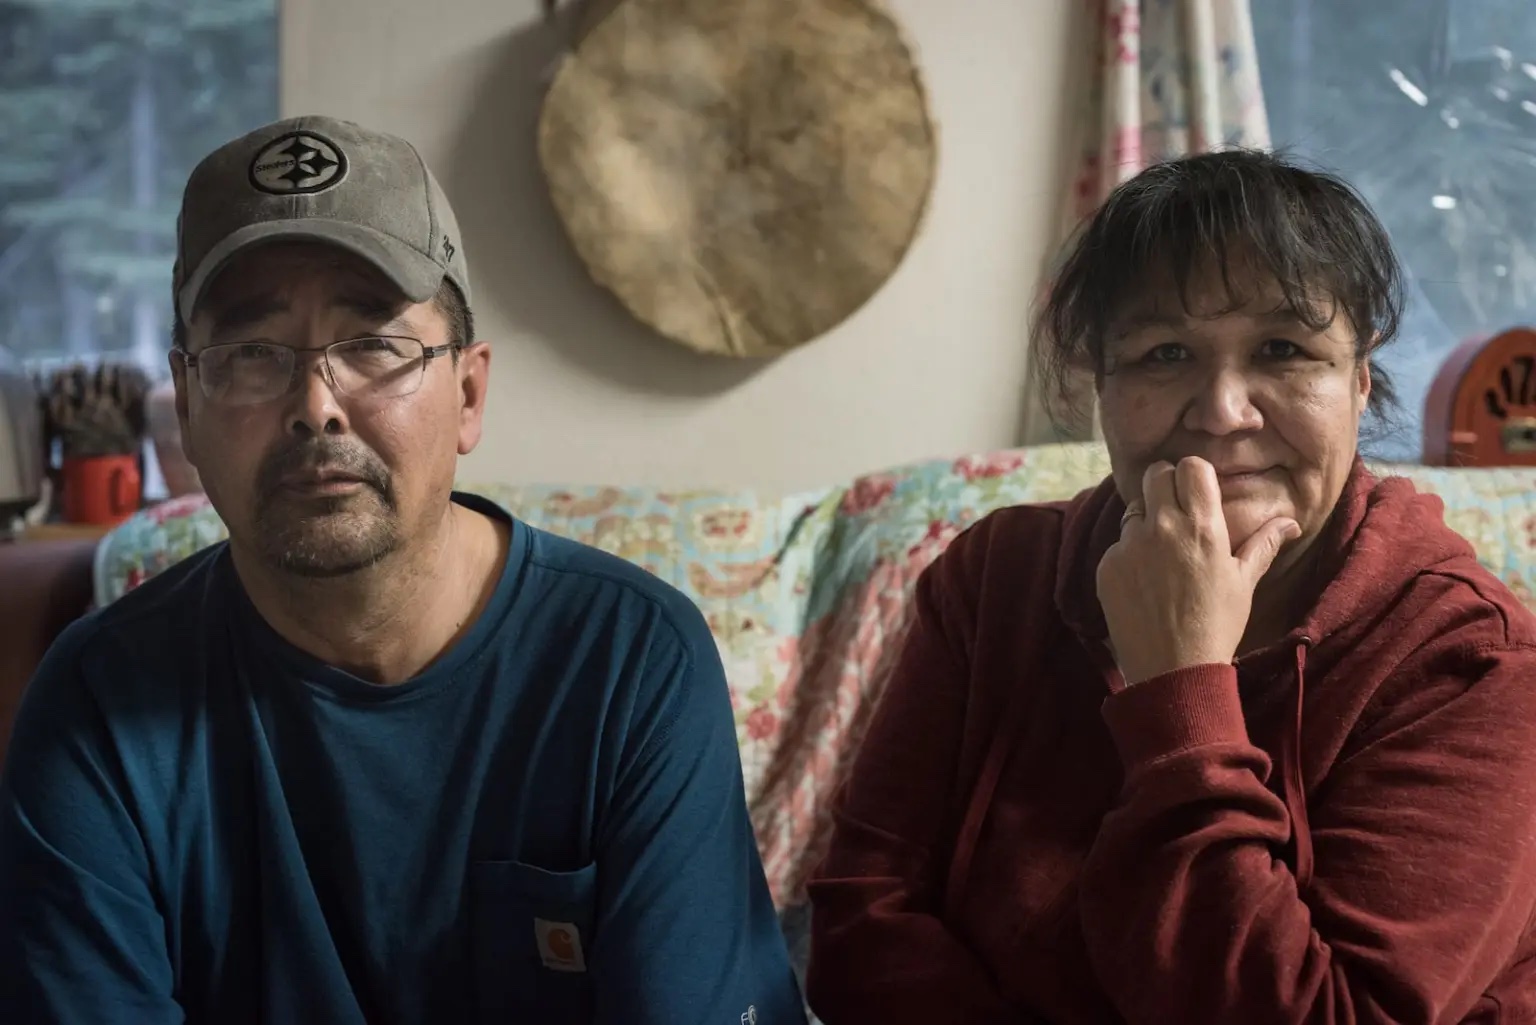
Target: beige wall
(933,365)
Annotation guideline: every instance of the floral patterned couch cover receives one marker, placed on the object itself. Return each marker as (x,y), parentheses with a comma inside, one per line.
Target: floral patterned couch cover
(807,595)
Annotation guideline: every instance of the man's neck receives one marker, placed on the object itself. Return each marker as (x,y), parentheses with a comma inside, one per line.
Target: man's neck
(387,623)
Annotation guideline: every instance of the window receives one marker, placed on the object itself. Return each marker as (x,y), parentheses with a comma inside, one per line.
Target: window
(1429,107)
(105,106)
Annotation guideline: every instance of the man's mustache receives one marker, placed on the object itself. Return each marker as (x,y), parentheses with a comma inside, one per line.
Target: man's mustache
(323,454)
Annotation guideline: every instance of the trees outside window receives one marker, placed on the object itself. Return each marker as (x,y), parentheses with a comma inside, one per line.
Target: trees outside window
(105,105)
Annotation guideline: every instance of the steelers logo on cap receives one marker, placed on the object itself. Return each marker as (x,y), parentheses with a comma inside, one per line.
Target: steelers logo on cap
(297,164)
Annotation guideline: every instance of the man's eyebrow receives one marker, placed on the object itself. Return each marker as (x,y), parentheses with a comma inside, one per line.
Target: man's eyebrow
(380,310)
(374,308)
(243,313)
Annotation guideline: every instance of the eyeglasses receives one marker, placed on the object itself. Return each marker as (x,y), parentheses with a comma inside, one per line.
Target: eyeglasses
(250,373)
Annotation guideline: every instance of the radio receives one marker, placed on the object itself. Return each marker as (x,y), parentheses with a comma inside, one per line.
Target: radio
(1481,409)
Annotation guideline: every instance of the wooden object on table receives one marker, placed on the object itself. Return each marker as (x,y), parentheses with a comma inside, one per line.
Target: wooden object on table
(97,411)
(1481,408)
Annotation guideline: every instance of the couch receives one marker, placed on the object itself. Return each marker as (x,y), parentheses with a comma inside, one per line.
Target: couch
(807,595)
(44,586)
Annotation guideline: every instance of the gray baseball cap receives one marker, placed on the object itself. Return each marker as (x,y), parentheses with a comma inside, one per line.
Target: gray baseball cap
(324,180)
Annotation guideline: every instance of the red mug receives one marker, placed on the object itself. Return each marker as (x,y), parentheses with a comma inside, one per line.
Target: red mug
(103,490)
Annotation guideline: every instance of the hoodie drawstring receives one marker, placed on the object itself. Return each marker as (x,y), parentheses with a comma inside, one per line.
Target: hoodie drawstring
(992,770)
(981,802)
(1292,785)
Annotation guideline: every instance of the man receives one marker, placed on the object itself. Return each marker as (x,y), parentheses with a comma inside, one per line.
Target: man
(387,756)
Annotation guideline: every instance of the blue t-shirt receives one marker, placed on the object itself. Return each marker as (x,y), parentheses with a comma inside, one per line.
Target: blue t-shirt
(201,823)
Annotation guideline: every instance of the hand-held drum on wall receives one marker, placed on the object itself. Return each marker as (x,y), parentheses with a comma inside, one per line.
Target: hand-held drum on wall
(742,174)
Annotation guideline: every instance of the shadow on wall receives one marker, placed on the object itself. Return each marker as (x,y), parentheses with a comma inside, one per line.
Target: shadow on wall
(523,262)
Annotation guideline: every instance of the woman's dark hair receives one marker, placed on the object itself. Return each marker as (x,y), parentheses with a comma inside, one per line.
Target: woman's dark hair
(1250,215)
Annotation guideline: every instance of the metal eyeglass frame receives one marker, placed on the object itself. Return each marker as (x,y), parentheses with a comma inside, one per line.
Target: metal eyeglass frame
(191,360)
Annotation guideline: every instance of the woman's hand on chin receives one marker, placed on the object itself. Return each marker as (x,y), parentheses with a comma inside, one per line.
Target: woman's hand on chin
(1174,594)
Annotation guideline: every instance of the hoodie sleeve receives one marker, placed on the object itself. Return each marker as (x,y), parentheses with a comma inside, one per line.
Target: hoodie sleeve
(1423,837)
(881,951)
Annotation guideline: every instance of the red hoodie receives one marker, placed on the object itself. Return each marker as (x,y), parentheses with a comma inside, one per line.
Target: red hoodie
(1340,828)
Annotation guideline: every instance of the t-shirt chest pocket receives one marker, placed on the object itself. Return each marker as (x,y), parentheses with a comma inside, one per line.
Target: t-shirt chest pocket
(532,931)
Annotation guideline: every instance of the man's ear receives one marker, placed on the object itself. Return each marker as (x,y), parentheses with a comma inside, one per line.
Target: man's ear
(474,382)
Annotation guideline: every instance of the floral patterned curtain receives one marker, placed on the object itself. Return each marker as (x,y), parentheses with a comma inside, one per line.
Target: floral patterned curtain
(1168,78)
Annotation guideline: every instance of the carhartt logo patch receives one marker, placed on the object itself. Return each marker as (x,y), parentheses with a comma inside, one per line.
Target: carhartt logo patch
(559,946)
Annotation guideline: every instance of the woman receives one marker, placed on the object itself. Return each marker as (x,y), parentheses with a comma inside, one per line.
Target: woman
(1244,734)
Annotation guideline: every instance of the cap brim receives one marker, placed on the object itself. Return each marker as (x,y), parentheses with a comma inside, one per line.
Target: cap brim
(416,274)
